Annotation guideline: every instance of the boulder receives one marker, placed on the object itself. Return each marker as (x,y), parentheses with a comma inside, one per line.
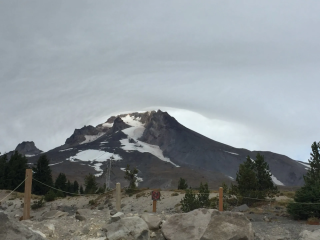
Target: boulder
(129,228)
(117,216)
(187,226)
(10,229)
(228,225)
(207,224)
(241,208)
(309,235)
(152,220)
(54,214)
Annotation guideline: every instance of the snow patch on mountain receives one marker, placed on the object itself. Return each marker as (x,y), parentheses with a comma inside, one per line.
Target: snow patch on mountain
(68,149)
(91,138)
(276,181)
(130,120)
(232,153)
(305,164)
(134,132)
(109,125)
(52,164)
(96,156)
(144,147)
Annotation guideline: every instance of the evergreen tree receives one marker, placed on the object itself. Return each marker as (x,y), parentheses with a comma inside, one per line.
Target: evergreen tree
(203,195)
(69,187)
(189,202)
(42,173)
(16,171)
(247,179)
(75,187)
(130,175)
(81,190)
(254,179)
(3,166)
(61,183)
(90,183)
(182,184)
(310,192)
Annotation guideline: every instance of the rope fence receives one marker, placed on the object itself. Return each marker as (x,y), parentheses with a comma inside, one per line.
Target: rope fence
(13,190)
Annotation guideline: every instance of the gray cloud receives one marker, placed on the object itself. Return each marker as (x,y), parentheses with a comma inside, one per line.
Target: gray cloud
(254,64)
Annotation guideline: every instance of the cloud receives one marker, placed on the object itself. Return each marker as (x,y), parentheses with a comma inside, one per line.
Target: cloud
(250,66)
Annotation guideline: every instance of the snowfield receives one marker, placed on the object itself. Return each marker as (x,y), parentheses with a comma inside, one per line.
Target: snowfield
(276,181)
(97,156)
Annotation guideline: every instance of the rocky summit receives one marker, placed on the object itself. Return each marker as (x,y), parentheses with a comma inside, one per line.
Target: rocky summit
(161,149)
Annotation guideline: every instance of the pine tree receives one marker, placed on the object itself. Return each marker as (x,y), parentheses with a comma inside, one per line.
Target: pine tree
(203,195)
(189,202)
(130,175)
(69,187)
(182,184)
(61,183)
(3,170)
(247,179)
(42,173)
(266,187)
(90,183)
(254,179)
(310,192)
(75,187)
(16,171)
(81,190)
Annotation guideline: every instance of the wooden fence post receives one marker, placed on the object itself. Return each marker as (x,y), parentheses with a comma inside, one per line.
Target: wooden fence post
(220,199)
(154,206)
(118,197)
(27,194)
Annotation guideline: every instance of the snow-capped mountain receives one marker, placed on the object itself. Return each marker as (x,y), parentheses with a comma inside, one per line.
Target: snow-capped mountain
(163,150)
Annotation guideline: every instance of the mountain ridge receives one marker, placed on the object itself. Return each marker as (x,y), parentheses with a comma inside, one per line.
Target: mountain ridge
(163,150)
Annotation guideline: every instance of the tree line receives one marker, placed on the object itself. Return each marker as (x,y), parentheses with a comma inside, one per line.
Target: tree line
(12,173)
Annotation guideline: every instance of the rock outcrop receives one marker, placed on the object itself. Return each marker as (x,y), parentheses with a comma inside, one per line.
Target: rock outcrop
(119,125)
(78,135)
(129,228)
(12,230)
(207,224)
(28,148)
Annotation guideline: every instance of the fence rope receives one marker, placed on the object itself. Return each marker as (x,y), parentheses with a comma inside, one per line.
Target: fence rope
(13,190)
(65,191)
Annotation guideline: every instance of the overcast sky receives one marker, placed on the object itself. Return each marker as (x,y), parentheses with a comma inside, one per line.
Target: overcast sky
(245,73)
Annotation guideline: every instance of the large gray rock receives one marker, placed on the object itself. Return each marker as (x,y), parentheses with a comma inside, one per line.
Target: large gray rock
(129,228)
(308,235)
(241,208)
(187,226)
(11,229)
(207,224)
(117,216)
(152,220)
(228,225)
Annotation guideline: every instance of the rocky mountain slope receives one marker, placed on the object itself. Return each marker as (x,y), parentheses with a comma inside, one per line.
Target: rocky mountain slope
(163,150)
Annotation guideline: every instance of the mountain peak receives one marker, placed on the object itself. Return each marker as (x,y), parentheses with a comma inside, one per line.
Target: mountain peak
(28,148)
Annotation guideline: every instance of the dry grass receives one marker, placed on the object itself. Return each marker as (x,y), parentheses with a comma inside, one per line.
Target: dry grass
(289,194)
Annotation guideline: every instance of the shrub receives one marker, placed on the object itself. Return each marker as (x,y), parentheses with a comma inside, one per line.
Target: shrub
(50,196)
(37,204)
(174,194)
